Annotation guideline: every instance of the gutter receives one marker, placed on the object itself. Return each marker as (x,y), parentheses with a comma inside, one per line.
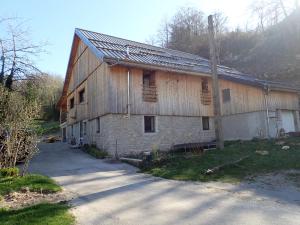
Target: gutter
(128,94)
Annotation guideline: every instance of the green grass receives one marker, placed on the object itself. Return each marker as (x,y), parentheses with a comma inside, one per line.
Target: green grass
(46,127)
(41,214)
(33,182)
(95,152)
(179,167)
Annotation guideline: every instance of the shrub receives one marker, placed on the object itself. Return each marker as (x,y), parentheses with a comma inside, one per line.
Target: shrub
(95,152)
(9,172)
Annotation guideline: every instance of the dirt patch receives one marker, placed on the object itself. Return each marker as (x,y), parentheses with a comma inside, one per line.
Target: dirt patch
(17,200)
(277,180)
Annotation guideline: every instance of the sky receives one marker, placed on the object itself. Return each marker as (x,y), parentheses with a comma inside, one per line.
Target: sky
(54,21)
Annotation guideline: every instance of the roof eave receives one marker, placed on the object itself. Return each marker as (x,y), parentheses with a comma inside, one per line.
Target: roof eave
(88,43)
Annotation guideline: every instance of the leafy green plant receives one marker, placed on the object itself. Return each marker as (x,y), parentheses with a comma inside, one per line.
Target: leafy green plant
(95,152)
(9,172)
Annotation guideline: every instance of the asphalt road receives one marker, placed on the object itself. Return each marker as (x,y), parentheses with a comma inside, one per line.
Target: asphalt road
(114,194)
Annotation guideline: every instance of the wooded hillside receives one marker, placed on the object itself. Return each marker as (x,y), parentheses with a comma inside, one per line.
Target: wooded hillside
(269,51)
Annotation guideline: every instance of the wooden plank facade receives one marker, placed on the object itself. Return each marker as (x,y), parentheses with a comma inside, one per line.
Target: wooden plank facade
(177,95)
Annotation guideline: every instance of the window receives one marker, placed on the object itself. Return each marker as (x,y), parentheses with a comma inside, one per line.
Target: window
(148,78)
(226,95)
(205,123)
(81,96)
(72,131)
(72,103)
(204,85)
(149,124)
(81,129)
(98,125)
(149,88)
(84,128)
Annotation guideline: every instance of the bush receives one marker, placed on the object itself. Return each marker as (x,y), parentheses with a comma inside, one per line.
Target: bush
(9,172)
(95,152)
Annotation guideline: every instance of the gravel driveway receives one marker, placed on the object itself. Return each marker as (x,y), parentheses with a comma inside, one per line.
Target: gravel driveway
(114,194)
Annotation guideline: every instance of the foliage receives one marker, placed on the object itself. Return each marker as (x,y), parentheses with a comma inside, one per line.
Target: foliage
(45,89)
(269,51)
(17,140)
(42,127)
(193,167)
(95,152)
(33,182)
(41,214)
(9,172)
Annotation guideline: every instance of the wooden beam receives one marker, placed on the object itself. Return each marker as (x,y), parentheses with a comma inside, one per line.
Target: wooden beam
(215,85)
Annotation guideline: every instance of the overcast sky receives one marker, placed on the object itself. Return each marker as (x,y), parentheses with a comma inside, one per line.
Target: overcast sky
(54,21)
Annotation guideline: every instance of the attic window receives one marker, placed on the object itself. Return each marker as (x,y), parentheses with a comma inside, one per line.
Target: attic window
(72,103)
(149,87)
(226,95)
(81,96)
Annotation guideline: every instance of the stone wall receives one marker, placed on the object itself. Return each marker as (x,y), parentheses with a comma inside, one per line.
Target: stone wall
(128,136)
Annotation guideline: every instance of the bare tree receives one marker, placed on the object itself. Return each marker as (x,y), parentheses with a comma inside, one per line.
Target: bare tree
(17,53)
(220,26)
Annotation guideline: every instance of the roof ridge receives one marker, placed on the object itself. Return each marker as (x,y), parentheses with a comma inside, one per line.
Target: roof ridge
(153,46)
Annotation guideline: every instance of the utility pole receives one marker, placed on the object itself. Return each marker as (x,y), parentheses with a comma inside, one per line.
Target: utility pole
(215,84)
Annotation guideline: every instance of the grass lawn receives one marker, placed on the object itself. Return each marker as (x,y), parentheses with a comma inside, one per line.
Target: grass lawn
(33,182)
(41,214)
(193,167)
(46,127)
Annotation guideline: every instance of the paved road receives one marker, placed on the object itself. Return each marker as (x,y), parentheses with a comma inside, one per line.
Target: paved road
(114,194)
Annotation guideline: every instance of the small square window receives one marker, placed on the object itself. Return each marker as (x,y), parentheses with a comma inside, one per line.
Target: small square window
(226,95)
(71,103)
(98,124)
(149,124)
(205,123)
(81,96)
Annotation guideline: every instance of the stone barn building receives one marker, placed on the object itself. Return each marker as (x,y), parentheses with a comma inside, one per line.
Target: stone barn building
(133,97)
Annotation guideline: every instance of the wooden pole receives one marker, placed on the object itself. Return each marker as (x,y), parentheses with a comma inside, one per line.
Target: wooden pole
(215,84)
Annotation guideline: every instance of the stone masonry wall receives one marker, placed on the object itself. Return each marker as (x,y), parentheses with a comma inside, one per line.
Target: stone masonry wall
(130,137)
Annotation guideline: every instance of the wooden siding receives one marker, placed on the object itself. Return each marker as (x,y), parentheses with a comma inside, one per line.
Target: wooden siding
(90,74)
(177,94)
(181,95)
(245,98)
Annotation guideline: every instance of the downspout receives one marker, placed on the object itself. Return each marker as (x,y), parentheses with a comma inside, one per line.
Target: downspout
(128,93)
(266,93)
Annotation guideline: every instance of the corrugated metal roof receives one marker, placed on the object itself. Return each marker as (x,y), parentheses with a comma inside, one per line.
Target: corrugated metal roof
(114,48)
